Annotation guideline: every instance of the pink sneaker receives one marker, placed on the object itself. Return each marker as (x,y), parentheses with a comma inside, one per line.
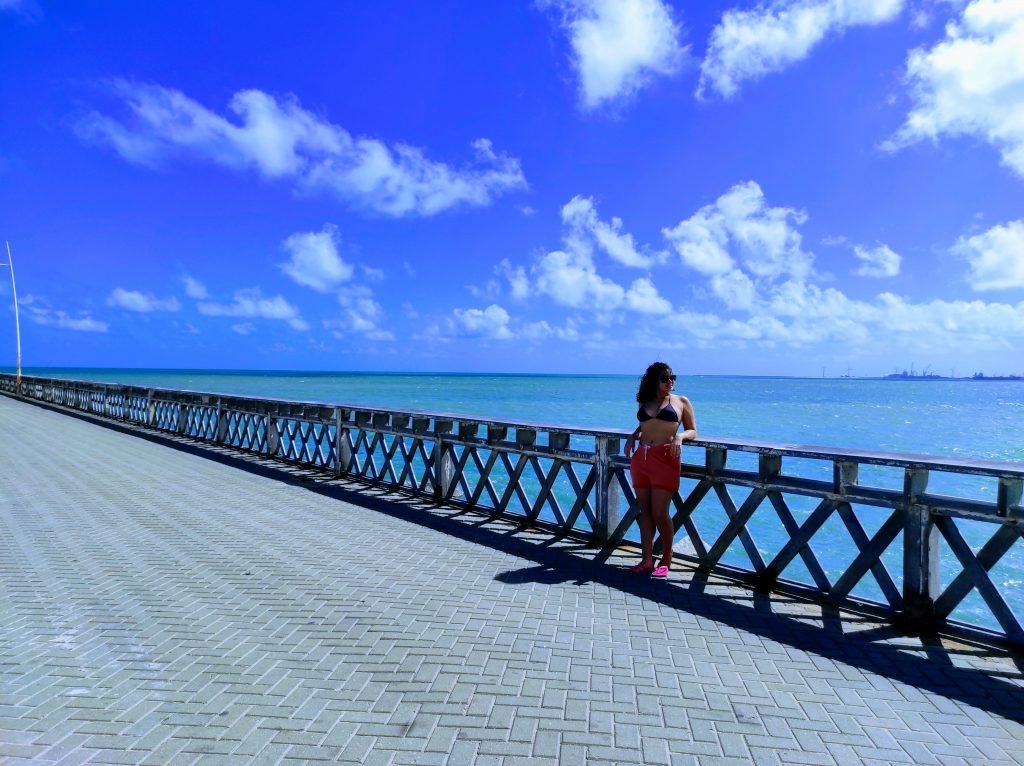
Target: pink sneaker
(660,572)
(641,568)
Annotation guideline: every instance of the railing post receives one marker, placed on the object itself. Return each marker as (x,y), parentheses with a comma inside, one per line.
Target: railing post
(125,414)
(273,435)
(342,450)
(769,468)
(921,584)
(182,418)
(150,409)
(715,459)
(444,470)
(1009,496)
(607,512)
(844,475)
(222,423)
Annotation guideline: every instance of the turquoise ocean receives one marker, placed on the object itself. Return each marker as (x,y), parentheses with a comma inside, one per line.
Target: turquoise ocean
(953,418)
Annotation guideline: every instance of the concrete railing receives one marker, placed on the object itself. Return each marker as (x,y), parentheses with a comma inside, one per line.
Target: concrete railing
(929,531)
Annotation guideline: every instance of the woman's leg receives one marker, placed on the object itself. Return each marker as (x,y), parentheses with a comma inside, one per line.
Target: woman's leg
(646,523)
(660,501)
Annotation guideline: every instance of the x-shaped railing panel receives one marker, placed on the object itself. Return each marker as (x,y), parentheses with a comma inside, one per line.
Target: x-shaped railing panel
(975,574)
(201,422)
(305,442)
(415,458)
(166,416)
(869,556)
(546,494)
(245,431)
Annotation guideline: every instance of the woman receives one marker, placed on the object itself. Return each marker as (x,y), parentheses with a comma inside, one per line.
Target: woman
(654,464)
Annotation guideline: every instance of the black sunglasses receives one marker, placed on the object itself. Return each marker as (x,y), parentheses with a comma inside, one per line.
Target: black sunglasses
(667,378)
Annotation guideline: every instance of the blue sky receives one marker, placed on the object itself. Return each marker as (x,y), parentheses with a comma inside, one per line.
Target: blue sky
(553,186)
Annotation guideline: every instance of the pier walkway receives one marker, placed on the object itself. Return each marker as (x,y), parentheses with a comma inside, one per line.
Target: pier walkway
(158,606)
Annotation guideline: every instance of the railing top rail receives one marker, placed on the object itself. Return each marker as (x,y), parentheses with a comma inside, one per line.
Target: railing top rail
(873,457)
(980,467)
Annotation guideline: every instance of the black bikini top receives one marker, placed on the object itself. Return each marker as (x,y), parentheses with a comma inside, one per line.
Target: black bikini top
(665,413)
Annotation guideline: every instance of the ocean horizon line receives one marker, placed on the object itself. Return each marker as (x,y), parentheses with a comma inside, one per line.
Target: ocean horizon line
(40,371)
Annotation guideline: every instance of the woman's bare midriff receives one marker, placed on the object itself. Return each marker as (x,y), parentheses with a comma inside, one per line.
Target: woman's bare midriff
(654,432)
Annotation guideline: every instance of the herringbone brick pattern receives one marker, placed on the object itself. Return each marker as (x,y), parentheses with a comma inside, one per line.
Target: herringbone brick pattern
(157,607)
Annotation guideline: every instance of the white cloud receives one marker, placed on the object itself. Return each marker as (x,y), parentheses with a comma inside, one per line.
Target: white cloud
(495,323)
(572,280)
(740,228)
(518,282)
(314,260)
(619,45)
(361,315)
(491,322)
(569,276)
(977,321)
(971,83)
(252,303)
(878,261)
(44,315)
(542,330)
(833,240)
(643,297)
(243,328)
(490,291)
(735,289)
(753,258)
(132,300)
(281,140)
(749,44)
(920,19)
(195,289)
(584,227)
(996,257)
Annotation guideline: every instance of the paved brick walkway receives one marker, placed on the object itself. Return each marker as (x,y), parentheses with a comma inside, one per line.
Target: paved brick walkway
(160,607)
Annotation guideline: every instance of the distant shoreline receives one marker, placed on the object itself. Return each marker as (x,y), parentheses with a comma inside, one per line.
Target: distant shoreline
(972,378)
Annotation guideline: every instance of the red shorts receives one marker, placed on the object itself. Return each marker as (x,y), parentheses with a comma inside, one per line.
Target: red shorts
(654,468)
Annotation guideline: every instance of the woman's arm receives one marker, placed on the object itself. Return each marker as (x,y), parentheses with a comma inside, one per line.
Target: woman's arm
(631,442)
(689,432)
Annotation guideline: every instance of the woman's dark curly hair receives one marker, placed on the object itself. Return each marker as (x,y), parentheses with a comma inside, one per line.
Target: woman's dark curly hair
(649,382)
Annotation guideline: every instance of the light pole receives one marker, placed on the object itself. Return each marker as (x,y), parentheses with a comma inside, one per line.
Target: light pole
(17,325)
